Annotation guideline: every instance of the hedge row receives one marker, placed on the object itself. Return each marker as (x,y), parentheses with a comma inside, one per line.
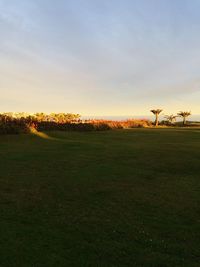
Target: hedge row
(10,125)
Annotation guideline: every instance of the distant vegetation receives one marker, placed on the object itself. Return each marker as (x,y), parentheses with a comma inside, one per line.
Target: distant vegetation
(184,115)
(14,123)
(156,112)
(170,119)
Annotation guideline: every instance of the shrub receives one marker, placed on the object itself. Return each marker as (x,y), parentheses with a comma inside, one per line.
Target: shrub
(13,128)
(22,123)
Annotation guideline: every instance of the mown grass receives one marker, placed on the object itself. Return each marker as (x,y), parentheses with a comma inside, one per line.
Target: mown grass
(109,199)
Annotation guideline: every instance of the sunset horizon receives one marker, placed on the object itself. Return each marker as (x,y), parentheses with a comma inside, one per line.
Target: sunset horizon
(100,133)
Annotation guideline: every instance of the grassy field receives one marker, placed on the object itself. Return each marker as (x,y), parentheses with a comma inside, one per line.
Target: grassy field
(101,199)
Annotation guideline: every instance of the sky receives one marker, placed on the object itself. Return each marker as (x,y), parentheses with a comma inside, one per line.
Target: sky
(100,57)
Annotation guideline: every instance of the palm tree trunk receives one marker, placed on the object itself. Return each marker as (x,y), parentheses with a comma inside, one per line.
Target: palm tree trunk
(184,120)
(156,121)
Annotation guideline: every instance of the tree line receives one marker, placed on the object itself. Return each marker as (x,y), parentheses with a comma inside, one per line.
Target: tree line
(13,123)
(40,117)
(171,118)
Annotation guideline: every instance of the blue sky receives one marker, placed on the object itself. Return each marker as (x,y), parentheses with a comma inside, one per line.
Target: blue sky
(100,57)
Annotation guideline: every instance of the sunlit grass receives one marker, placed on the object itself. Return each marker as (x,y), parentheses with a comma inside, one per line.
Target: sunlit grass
(41,134)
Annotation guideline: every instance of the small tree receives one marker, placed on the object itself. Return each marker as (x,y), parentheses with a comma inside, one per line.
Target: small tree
(170,118)
(156,112)
(184,115)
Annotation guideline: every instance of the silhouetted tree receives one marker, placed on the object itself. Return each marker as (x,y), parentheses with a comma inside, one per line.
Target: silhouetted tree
(156,112)
(170,118)
(184,115)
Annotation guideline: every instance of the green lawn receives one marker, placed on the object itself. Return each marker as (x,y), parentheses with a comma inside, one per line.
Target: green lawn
(101,199)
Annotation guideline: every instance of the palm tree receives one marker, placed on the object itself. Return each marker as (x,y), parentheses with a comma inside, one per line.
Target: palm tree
(170,118)
(184,115)
(156,112)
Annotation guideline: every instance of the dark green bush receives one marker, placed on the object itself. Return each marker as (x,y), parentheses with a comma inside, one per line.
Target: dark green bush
(53,126)
(13,128)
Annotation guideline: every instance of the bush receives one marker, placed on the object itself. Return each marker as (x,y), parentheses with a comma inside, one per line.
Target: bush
(23,123)
(53,126)
(13,128)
